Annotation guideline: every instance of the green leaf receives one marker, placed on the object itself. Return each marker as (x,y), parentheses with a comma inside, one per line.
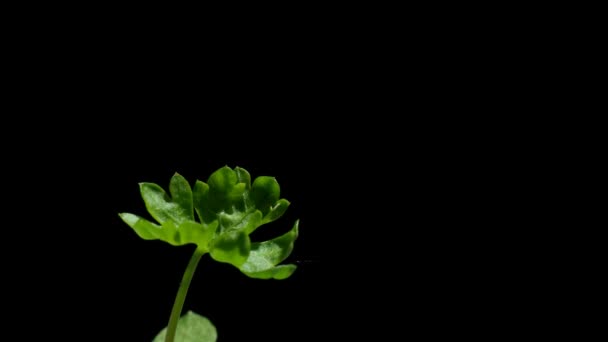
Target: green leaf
(229,197)
(231,247)
(279,272)
(196,233)
(265,192)
(171,234)
(245,178)
(160,206)
(220,183)
(242,176)
(199,195)
(229,207)
(226,194)
(181,193)
(191,327)
(264,256)
(144,228)
(222,180)
(276,211)
(247,221)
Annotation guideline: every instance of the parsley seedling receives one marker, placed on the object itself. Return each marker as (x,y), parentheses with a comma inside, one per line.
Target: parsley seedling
(217,217)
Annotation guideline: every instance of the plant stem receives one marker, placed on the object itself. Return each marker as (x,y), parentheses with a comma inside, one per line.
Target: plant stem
(181,294)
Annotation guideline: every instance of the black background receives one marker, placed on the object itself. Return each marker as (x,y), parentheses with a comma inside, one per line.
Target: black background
(144,275)
(89,264)
(371,250)
(379,178)
(84,273)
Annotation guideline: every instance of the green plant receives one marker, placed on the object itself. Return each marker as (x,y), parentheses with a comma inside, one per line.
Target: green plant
(229,208)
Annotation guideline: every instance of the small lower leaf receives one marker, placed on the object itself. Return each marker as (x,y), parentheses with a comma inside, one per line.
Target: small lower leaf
(191,327)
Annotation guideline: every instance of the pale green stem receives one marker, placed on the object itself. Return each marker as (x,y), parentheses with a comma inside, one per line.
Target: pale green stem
(181,294)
